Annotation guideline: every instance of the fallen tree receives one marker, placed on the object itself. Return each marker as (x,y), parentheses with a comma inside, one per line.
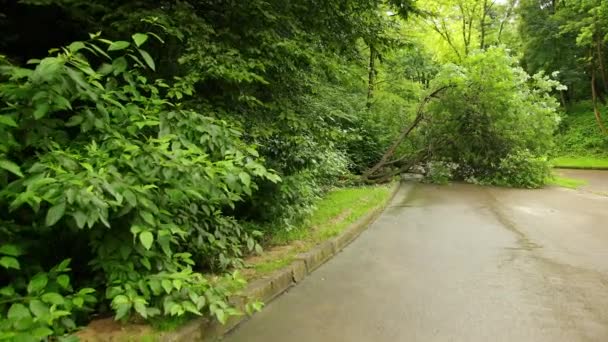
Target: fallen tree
(386,168)
(492,124)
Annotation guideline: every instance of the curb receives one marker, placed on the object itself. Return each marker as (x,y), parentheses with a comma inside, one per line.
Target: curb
(269,287)
(601,168)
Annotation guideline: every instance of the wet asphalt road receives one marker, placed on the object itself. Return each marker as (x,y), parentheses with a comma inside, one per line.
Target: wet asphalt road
(458,263)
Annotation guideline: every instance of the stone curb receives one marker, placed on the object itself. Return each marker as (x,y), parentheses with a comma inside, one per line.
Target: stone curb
(270,287)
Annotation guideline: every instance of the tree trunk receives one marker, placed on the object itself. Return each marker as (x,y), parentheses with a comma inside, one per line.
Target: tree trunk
(482,26)
(596,111)
(600,58)
(404,133)
(371,82)
(506,19)
(562,95)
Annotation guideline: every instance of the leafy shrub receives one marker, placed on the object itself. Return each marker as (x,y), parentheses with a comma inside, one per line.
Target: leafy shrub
(101,152)
(579,133)
(438,172)
(521,169)
(490,112)
(35,307)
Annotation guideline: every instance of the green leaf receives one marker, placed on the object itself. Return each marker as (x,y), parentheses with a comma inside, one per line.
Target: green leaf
(7,121)
(119,65)
(139,38)
(78,302)
(190,307)
(146,239)
(75,46)
(155,286)
(41,110)
(63,266)
(130,197)
(122,310)
(37,283)
(146,263)
(148,217)
(120,299)
(39,309)
(221,316)
(11,250)
(141,309)
(105,69)
(200,303)
(63,281)
(118,45)
(10,166)
(167,285)
(55,214)
(18,311)
(80,218)
(7,291)
(41,333)
(148,59)
(53,298)
(9,262)
(245,178)
(74,121)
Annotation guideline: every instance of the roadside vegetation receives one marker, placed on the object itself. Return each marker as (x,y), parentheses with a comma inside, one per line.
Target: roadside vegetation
(149,148)
(336,211)
(567,182)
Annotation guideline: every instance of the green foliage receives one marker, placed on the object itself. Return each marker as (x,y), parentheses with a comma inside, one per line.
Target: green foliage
(581,162)
(579,133)
(567,182)
(520,169)
(99,151)
(491,117)
(438,172)
(568,37)
(36,306)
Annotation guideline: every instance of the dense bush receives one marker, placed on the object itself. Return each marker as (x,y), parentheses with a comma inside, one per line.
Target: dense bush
(97,155)
(490,112)
(579,133)
(521,169)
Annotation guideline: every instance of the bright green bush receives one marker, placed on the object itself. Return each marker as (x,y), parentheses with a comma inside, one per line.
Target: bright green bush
(490,112)
(438,172)
(34,308)
(521,169)
(95,153)
(579,133)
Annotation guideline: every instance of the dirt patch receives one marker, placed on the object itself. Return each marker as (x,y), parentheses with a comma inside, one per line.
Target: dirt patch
(108,330)
(270,254)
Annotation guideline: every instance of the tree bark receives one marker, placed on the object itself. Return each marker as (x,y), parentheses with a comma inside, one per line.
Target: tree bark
(371,82)
(506,18)
(596,111)
(562,95)
(600,58)
(482,26)
(404,133)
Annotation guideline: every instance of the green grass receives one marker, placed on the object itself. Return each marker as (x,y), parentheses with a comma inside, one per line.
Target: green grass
(566,182)
(337,210)
(581,162)
(272,265)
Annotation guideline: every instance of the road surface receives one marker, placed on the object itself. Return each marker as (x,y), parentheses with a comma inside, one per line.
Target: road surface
(458,263)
